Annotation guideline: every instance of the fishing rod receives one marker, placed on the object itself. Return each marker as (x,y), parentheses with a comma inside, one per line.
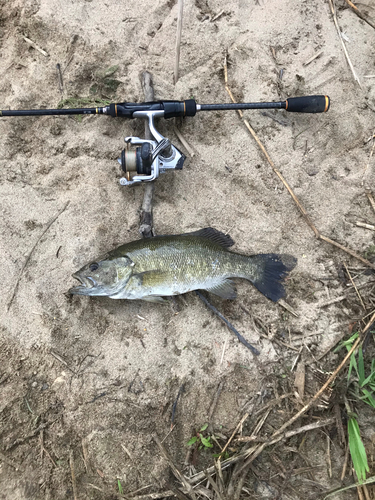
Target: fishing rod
(149,158)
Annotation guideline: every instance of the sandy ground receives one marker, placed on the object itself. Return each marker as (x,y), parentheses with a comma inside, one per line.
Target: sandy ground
(94,378)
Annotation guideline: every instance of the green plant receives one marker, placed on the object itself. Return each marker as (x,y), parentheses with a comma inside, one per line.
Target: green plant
(364,388)
(357,450)
(200,440)
(120,488)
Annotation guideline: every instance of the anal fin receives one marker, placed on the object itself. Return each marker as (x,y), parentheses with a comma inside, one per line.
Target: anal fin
(155,299)
(225,289)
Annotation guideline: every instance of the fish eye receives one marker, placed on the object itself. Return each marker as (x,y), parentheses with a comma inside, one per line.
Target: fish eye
(94,266)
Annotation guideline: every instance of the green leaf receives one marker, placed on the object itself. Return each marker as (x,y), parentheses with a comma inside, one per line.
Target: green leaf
(361,367)
(353,362)
(111,70)
(206,442)
(348,342)
(121,491)
(370,400)
(357,450)
(370,379)
(204,427)
(192,441)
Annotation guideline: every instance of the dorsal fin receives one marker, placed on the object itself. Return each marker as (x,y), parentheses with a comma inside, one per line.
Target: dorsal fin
(214,235)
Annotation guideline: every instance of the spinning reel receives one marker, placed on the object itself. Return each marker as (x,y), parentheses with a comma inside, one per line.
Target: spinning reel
(149,158)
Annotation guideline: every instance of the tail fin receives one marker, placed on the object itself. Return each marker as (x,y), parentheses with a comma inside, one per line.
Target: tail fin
(273,269)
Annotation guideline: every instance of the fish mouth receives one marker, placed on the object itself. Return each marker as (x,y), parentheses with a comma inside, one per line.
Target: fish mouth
(88,286)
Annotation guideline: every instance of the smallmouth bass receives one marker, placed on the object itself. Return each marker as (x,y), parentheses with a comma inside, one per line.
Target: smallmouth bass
(153,268)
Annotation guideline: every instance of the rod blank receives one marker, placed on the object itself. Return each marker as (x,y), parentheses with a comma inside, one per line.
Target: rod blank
(304,104)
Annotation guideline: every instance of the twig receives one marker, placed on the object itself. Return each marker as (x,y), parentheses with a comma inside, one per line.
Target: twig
(345,464)
(367,226)
(329,461)
(233,434)
(300,430)
(342,42)
(32,250)
(184,142)
(146,223)
(60,79)
(359,14)
(355,288)
(223,352)
(214,401)
(74,483)
(370,197)
(177,473)
(174,407)
(315,56)
(35,46)
(178,39)
(347,250)
(368,191)
(282,303)
(229,325)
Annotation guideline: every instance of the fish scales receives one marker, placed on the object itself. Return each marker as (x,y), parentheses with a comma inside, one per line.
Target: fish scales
(187,263)
(170,265)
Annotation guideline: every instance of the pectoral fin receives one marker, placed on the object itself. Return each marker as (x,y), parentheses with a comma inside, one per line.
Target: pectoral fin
(150,278)
(225,289)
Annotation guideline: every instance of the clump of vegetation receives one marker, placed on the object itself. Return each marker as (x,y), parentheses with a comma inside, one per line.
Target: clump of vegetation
(105,84)
(363,388)
(200,440)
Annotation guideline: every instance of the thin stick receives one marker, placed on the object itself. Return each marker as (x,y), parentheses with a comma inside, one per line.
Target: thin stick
(233,434)
(367,226)
(174,407)
(177,473)
(345,465)
(300,430)
(329,461)
(184,142)
(60,78)
(315,56)
(178,39)
(229,325)
(359,14)
(370,197)
(347,250)
(146,224)
(49,224)
(214,402)
(74,483)
(356,289)
(35,46)
(342,42)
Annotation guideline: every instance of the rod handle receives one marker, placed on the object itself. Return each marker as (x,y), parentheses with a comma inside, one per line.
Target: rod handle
(308,104)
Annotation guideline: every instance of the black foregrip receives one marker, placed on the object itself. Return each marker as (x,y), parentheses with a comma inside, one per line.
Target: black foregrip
(179,108)
(308,104)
